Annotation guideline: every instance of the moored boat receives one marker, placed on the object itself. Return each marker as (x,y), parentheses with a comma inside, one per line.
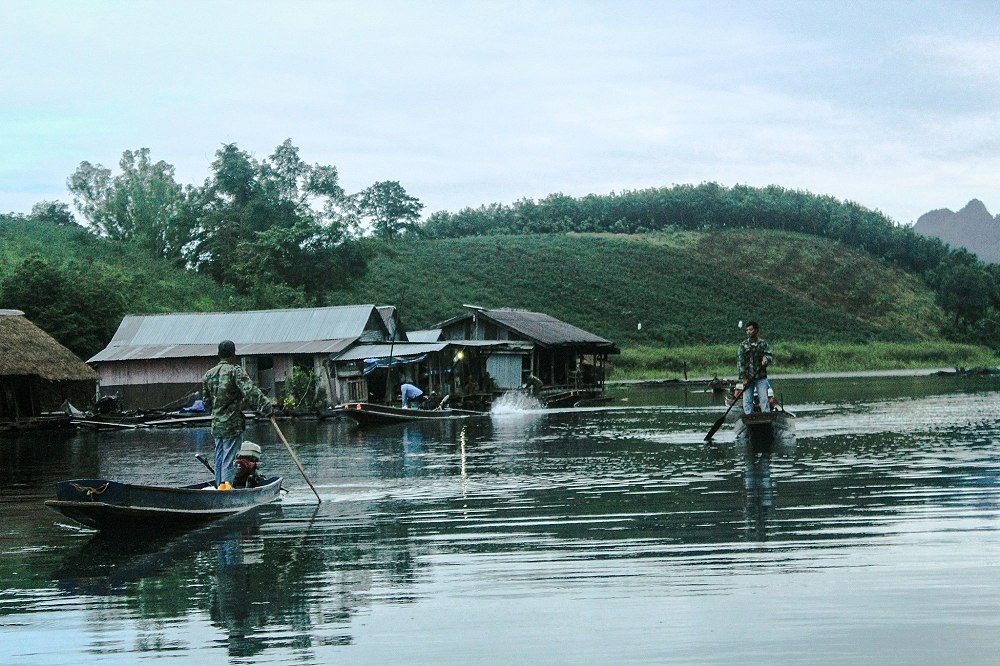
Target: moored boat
(369,413)
(108,505)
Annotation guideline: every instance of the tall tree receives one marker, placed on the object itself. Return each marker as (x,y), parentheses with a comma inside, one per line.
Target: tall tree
(55,212)
(389,209)
(271,223)
(140,205)
(50,296)
(967,292)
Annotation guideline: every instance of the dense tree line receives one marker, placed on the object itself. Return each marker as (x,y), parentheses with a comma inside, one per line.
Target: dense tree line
(278,230)
(271,233)
(704,207)
(966,288)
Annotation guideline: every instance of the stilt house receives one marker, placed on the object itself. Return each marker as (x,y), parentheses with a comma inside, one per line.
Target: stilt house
(157,361)
(457,369)
(568,362)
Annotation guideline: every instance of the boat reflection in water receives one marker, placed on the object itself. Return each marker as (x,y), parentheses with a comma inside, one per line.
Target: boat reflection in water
(222,555)
(108,562)
(759,436)
(235,607)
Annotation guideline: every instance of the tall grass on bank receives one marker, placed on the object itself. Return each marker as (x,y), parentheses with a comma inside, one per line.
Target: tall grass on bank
(797,357)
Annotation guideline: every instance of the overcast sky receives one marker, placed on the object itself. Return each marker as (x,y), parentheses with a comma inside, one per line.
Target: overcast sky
(893,105)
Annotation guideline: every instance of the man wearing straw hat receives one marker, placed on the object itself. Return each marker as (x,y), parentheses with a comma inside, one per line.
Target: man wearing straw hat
(248,466)
(224,389)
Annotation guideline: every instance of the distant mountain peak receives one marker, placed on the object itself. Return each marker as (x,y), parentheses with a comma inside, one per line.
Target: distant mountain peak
(975,208)
(972,228)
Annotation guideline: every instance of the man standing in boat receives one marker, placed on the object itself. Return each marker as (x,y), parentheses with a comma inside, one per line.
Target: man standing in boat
(752,360)
(224,388)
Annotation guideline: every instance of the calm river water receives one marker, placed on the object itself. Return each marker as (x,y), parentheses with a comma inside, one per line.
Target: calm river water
(580,536)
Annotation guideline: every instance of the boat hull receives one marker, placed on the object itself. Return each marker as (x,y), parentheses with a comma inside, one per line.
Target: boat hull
(367,413)
(766,431)
(109,505)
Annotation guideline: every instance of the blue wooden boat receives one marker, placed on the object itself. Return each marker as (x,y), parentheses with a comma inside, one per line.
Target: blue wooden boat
(111,505)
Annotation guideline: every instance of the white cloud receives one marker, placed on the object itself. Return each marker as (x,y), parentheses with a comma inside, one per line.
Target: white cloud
(976,59)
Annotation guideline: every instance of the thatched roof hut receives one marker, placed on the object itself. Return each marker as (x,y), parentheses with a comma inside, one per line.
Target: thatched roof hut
(36,373)
(26,350)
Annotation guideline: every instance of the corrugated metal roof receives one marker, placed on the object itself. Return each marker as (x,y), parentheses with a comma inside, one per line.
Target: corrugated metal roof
(388,314)
(362,352)
(150,352)
(298,331)
(544,329)
(428,335)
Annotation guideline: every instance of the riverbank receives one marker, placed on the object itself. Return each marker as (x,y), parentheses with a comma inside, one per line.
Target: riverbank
(649,363)
(906,372)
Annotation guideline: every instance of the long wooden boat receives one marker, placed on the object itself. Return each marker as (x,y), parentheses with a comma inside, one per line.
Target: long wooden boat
(370,413)
(766,431)
(151,419)
(108,505)
(37,423)
(584,397)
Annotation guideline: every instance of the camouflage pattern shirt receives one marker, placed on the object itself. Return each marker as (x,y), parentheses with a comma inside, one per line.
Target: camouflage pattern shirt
(224,388)
(750,358)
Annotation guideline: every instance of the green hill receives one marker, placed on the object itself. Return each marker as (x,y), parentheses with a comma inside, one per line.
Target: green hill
(684,288)
(687,289)
(824,306)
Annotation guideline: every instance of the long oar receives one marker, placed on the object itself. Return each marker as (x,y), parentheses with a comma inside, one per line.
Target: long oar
(722,419)
(204,462)
(288,446)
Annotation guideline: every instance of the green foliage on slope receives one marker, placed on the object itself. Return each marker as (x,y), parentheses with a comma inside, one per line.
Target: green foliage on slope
(641,362)
(965,287)
(77,287)
(684,288)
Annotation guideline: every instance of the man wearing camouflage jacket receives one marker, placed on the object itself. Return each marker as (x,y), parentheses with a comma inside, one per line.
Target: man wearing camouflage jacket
(752,360)
(224,389)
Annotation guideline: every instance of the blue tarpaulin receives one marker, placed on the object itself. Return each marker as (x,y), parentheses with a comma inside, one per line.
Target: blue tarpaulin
(372,364)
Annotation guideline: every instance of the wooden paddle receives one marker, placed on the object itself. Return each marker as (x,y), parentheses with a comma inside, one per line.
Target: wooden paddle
(204,462)
(288,446)
(722,419)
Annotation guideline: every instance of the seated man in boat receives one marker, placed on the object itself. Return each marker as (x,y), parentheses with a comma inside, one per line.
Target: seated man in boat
(411,395)
(433,401)
(247,461)
(717,384)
